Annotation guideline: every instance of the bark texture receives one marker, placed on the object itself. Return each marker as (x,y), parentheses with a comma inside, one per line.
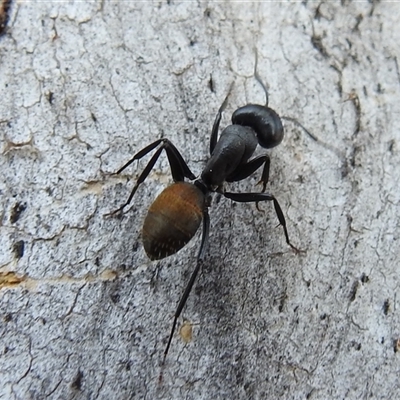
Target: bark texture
(85,314)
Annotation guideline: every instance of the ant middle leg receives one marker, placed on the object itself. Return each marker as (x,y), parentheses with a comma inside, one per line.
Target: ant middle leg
(245,170)
(257,197)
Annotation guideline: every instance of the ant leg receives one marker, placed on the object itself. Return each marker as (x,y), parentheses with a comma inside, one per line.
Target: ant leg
(140,180)
(245,170)
(140,154)
(214,132)
(179,167)
(265,174)
(256,197)
(200,257)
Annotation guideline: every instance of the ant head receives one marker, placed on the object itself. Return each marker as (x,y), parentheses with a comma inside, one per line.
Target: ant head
(265,122)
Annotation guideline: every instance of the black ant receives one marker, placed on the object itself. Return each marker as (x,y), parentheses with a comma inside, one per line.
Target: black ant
(176,214)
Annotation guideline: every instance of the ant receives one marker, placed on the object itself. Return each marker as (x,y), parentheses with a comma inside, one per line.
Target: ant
(176,214)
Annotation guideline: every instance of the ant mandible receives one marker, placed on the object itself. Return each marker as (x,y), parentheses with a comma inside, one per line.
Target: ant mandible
(176,214)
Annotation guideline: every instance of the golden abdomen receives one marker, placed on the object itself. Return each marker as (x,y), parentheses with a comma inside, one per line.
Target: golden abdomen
(172,220)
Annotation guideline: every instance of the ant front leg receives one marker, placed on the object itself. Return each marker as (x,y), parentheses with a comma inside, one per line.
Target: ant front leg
(178,165)
(257,197)
(245,170)
(214,132)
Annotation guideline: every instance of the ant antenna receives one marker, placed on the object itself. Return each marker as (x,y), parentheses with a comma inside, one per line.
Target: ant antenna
(258,79)
(301,126)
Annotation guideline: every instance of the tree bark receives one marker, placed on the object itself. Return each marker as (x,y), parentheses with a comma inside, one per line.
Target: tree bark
(85,314)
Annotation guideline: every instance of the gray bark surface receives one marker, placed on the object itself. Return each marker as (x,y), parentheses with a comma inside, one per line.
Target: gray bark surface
(86,315)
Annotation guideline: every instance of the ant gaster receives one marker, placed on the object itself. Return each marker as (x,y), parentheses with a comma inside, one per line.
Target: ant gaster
(176,214)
